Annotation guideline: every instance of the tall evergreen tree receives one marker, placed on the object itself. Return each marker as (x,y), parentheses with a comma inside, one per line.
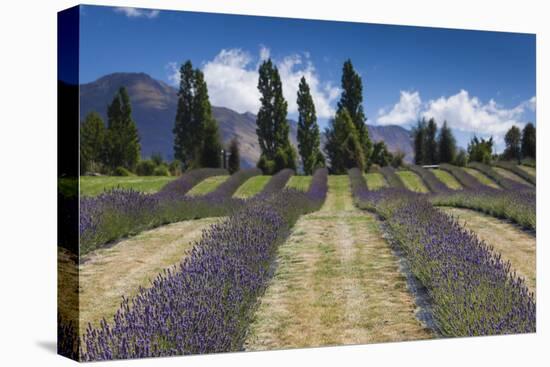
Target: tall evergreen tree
(92,142)
(529,141)
(308,130)
(272,125)
(512,139)
(352,101)
(185,142)
(343,146)
(446,144)
(123,147)
(205,127)
(430,143)
(419,133)
(234,160)
(196,132)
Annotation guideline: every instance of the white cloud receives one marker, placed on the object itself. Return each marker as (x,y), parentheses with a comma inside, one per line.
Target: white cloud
(467,113)
(403,112)
(461,111)
(232,78)
(137,13)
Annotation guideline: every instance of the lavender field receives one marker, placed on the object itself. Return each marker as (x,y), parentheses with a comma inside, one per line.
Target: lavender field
(287,268)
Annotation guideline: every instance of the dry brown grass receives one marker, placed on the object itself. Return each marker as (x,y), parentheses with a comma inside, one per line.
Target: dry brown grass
(337,282)
(108,274)
(511,242)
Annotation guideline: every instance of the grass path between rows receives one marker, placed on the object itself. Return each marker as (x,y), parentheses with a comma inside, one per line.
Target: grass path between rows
(299,182)
(511,242)
(530,170)
(251,187)
(412,181)
(449,180)
(110,273)
(337,282)
(95,185)
(207,185)
(375,181)
(481,177)
(511,176)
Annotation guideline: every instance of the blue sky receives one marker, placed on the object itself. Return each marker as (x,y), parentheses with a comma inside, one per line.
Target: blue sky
(480,82)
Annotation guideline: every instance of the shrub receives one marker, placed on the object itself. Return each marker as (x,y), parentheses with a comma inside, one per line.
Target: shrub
(121,171)
(161,170)
(145,168)
(175,167)
(461,158)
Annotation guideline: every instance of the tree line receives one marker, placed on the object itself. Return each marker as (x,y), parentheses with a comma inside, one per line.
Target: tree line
(197,141)
(433,147)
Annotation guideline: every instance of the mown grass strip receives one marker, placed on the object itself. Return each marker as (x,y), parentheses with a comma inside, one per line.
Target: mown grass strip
(530,170)
(447,179)
(207,185)
(375,181)
(481,177)
(514,168)
(412,181)
(511,176)
(251,187)
(95,185)
(299,183)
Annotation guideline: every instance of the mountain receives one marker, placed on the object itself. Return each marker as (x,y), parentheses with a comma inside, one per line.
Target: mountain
(154,109)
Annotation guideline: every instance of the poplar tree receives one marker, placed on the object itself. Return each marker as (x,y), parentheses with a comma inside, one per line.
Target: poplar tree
(197,140)
(512,139)
(272,125)
(343,147)
(419,132)
(123,147)
(529,141)
(352,101)
(446,144)
(430,143)
(92,142)
(234,160)
(308,130)
(184,144)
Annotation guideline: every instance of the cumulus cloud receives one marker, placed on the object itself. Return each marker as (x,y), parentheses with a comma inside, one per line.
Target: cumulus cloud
(403,112)
(232,78)
(137,13)
(467,113)
(462,112)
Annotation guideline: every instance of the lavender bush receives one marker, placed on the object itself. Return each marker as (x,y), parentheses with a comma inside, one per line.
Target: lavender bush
(466,180)
(277,181)
(518,171)
(473,291)
(227,188)
(190,179)
(205,304)
(504,182)
(392,178)
(431,180)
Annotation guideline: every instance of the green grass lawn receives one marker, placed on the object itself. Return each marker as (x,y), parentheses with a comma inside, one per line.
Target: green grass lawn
(481,177)
(252,186)
(207,185)
(95,185)
(412,181)
(447,178)
(375,181)
(299,182)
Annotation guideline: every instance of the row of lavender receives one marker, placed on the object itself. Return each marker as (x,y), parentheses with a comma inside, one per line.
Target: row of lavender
(474,292)
(119,212)
(515,202)
(205,305)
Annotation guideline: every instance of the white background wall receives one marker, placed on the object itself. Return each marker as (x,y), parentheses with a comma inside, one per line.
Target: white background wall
(28,180)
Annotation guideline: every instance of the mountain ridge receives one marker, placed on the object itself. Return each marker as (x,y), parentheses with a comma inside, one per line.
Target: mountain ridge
(154,105)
